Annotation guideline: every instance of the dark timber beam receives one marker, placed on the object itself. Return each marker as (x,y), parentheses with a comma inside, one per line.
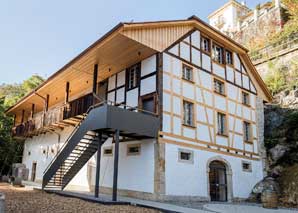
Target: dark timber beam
(95,74)
(96,190)
(23,116)
(32,110)
(47,102)
(66,93)
(116,159)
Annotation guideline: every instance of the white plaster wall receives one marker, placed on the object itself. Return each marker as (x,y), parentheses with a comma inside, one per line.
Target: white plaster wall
(191,179)
(148,85)
(36,145)
(148,65)
(135,172)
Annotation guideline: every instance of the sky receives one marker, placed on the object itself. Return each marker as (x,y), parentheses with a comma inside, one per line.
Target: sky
(39,37)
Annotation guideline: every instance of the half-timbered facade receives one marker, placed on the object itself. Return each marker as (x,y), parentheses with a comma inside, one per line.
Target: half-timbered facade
(175,108)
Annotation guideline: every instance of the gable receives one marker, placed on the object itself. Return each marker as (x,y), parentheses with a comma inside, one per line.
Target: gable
(189,49)
(157,38)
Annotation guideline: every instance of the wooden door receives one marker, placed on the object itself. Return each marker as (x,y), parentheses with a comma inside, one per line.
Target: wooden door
(33,172)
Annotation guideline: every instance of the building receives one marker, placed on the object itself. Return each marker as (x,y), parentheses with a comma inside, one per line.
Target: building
(249,27)
(175,108)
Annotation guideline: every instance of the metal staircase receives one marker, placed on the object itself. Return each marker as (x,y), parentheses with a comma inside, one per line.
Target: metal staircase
(81,145)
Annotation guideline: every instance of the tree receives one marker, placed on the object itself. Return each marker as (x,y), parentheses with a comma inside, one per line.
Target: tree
(275,79)
(11,149)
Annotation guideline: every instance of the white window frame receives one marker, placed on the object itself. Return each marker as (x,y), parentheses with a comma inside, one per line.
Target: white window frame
(246,169)
(221,123)
(247,131)
(219,86)
(132,76)
(245,94)
(217,53)
(133,153)
(187,72)
(188,113)
(106,148)
(229,57)
(191,152)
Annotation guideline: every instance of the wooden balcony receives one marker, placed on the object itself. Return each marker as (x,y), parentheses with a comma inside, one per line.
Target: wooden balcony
(55,118)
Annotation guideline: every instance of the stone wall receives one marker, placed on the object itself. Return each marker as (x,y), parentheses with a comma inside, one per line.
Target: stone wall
(259,30)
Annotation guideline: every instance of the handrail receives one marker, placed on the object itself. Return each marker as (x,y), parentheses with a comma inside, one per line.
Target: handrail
(85,115)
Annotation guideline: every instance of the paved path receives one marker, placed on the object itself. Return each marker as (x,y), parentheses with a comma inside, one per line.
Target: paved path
(232,208)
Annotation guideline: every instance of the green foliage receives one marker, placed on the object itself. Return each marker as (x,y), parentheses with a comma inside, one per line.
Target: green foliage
(11,149)
(275,79)
(14,92)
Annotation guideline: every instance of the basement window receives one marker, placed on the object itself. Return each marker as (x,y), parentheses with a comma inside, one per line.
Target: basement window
(133,149)
(108,151)
(246,166)
(185,156)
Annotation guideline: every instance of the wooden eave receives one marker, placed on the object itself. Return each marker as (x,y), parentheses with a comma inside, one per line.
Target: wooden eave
(124,45)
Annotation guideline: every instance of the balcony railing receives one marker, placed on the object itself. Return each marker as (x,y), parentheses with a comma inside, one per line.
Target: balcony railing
(78,106)
(54,116)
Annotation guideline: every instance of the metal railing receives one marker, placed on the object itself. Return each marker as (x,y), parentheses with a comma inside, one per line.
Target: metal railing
(100,103)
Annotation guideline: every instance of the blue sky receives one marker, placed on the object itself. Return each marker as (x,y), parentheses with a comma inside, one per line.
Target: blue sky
(41,36)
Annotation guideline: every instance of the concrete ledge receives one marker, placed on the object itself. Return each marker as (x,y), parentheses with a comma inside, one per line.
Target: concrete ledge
(2,203)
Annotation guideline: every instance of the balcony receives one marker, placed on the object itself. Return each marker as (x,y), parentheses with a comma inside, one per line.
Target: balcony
(62,116)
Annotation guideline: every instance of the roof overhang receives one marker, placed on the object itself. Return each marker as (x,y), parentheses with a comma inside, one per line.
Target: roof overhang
(124,45)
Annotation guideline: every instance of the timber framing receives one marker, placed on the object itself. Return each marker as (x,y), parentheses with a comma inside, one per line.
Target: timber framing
(128,32)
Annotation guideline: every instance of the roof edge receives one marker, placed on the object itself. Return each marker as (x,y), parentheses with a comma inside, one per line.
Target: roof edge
(117,27)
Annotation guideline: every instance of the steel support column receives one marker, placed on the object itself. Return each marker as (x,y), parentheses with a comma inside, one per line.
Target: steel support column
(96,190)
(116,159)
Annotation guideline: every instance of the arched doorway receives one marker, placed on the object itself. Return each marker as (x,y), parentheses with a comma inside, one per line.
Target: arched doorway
(218,187)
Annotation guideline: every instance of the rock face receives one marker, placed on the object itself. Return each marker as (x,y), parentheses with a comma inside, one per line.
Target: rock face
(267,184)
(281,142)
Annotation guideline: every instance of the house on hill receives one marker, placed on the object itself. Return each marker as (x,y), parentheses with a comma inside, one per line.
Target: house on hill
(156,110)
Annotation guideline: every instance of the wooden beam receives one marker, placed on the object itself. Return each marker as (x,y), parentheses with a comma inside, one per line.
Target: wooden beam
(94,83)
(66,92)
(32,110)
(23,116)
(47,102)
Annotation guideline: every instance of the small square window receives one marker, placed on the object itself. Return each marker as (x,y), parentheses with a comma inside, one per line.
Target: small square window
(206,44)
(247,131)
(219,87)
(108,151)
(188,113)
(229,57)
(185,156)
(134,149)
(245,98)
(221,124)
(29,153)
(246,166)
(217,54)
(187,73)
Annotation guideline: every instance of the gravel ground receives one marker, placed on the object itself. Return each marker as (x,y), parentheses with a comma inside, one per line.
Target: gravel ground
(32,201)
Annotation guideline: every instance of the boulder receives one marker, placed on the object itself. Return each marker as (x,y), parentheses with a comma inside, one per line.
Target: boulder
(268,183)
(277,152)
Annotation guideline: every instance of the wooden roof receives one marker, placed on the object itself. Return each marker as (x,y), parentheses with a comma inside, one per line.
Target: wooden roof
(124,45)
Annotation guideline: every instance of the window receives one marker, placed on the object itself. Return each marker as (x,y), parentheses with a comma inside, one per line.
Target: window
(217,54)
(133,149)
(187,73)
(132,76)
(246,131)
(205,44)
(29,153)
(245,98)
(185,156)
(221,124)
(188,113)
(246,166)
(108,151)
(219,87)
(229,58)
(148,103)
